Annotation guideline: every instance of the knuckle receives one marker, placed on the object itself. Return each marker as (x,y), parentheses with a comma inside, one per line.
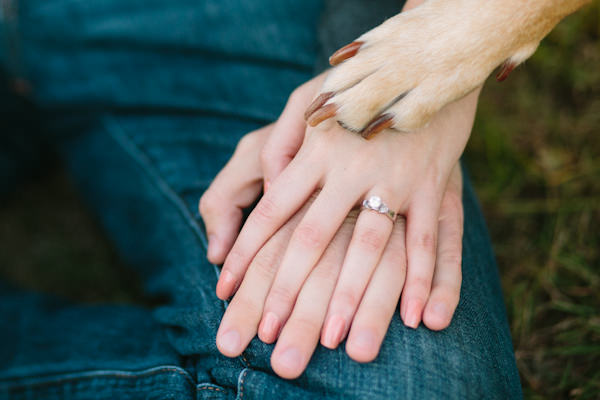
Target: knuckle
(347,299)
(208,203)
(401,265)
(315,148)
(264,265)
(371,239)
(396,251)
(426,242)
(246,306)
(452,203)
(398,257)
(246,142)
(309,236)
(305,323)
(420,286)
(265,155)
(296,94)
(451,257)
(265,210)
(234,259)
(326,272)
(366,160)
(453,239)
(280,295)
(382,306)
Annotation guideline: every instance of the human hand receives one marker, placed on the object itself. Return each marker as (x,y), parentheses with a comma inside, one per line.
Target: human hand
(415,172)
(221,208)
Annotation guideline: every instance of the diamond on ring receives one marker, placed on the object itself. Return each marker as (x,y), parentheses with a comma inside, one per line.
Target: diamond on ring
(376,204)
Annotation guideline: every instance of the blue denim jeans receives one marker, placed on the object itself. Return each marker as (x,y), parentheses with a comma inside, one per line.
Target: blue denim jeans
(145,101)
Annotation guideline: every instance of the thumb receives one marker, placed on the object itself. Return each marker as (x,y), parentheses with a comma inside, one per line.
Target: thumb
(222,219)
(236,187)
(288,132)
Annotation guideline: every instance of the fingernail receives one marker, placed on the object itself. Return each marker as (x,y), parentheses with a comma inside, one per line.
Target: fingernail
(364,339)
(270,327)
(213,246)
(441,310)
(334,331)
(230,341)
(291,359)
(228,282)
(227,277)
(412,314)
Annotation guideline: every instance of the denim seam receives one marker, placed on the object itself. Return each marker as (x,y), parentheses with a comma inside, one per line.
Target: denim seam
(241,379)
(63,378)
(134,151)
(209,386)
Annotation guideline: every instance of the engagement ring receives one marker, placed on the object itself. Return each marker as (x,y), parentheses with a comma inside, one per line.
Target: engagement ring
(376,204)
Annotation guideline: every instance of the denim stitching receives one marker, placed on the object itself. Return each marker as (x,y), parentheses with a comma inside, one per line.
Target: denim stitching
(134,151)
(210,386)
(57,379)
(241,383)
(115,130)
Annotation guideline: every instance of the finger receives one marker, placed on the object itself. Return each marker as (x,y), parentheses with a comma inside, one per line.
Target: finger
(285,197)
(300,335)
(379,302)
(240,322)
(369,239)
(288,132)
(445,291)
(421,246)
(309,241)
(236,187)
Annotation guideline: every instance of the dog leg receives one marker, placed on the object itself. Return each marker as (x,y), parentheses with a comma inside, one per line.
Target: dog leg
(402,72)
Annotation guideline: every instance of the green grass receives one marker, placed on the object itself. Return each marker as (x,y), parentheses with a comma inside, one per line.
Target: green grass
(535,162)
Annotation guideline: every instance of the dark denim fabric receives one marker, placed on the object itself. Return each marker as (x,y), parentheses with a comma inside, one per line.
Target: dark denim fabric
(147,100)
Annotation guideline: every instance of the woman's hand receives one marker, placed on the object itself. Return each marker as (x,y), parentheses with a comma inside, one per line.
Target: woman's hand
(236,187)
(408,171)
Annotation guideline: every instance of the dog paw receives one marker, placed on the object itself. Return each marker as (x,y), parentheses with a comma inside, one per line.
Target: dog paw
(402,72)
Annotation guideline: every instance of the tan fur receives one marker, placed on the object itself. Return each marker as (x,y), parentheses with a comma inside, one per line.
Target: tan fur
(437,53)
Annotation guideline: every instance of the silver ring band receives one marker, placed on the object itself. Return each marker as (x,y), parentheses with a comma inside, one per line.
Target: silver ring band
(375,203)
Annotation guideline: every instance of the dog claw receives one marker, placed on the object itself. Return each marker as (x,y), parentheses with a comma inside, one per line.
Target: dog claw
(317,103)
(322,114)
(345,53)
(380,123)
(505,70)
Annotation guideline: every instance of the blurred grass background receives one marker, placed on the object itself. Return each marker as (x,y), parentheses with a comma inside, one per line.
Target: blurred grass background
(535,161)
